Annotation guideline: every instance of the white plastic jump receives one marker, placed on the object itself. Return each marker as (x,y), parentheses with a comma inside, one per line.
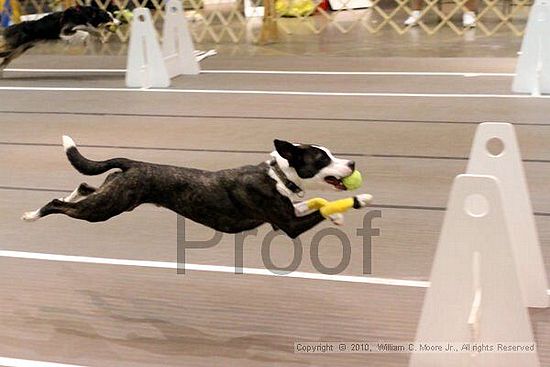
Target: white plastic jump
(533,67)
(507,166)
(177,44)
(488,267)
(147,65)
(475,294)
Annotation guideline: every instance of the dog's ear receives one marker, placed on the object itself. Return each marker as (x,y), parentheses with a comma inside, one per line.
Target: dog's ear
(285,149)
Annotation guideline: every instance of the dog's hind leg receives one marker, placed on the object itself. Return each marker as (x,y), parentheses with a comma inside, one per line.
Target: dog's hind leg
(80,192)
(96,207)
(3,65)
(84,189)
(9,58)
(4,52)
(13,55)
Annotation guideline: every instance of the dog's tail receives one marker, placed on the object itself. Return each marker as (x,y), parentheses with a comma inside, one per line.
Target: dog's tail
(89,167)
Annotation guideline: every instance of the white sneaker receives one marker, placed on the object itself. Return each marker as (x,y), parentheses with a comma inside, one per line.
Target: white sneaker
(469,19)
(413,18)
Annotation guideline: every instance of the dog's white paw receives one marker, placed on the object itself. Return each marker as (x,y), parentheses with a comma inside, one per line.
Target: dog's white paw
(337,219)
(301,209)
(31,216)
(363,199)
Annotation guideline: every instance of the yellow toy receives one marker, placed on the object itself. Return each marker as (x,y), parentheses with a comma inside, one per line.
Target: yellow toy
(294,8)
(332,209)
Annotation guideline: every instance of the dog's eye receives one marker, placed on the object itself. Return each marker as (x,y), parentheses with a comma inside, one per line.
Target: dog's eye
(321,161)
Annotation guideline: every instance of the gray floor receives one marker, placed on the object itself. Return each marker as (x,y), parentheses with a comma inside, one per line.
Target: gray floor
(409,149)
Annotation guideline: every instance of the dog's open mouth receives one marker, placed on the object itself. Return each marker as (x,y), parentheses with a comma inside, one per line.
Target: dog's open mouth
(336,182)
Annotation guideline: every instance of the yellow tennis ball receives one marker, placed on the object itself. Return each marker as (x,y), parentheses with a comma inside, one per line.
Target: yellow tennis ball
(124,15)
(353,181)
(128,15)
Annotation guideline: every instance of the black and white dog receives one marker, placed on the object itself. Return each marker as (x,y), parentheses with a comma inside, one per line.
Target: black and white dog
(61,25)
(230,200)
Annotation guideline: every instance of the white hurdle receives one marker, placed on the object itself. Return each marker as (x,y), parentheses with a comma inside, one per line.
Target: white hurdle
(475,294)
(506,165)
(488,267)
(533,67)
(147,65)
(177,44)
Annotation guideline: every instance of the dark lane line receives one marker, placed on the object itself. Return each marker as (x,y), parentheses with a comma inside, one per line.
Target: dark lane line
(381,206)
(404,156)
(248,117)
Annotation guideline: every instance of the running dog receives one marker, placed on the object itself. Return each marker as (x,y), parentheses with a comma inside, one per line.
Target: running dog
(62,25)
(229,200)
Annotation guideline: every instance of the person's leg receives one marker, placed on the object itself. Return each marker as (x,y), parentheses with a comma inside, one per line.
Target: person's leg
(416,6)
(469,16)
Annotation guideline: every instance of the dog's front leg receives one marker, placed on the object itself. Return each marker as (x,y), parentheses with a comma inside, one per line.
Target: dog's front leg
(74,35)
(299,225)
(84,28)
(77,38)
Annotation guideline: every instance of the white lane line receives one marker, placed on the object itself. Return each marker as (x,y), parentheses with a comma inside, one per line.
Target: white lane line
(268,92)
(368,73)
(16,362)
(101,71)
(215,269)
(284,72)
(211,268)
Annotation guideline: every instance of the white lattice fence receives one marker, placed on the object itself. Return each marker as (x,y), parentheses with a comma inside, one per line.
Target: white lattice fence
(224,20)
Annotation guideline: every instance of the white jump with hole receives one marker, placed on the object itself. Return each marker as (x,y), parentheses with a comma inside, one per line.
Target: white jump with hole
(145,66)
(149,65)
(506,165)
(488,266)
(533,67)
(177,44)
(475,294)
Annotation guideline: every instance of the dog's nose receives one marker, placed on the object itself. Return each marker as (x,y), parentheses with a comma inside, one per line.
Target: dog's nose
(351,165)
